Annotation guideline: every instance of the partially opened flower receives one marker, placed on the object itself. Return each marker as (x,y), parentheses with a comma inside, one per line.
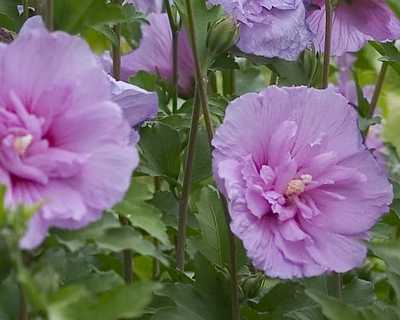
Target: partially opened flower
(302,189)
(64,143)
(147,6)
(347,87)
(354,23)
(154,54)
(270,28)
(138,105)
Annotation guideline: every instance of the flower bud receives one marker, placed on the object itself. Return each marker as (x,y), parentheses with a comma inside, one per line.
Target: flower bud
(223,34)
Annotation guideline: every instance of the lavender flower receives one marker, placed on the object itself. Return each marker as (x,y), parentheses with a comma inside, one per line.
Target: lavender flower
(354,23)
(154,54)
(270,28)
(302,189)
(347,87)
(64,143)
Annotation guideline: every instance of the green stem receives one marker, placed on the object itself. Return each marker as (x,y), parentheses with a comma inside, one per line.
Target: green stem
(127,256)
(156,262)
(116,56)
(175,74)
(328,43)
(235,303)
(23,308)
(26,9)
(274,78)
(212,82)
(229,82)
(50,14)
(378,89)
(325,83)
(201,81)
(116,53)
(187,183)
(201,78)
(338,285)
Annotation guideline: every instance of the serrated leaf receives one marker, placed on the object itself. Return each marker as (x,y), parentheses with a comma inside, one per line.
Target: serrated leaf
(389,251)
(332,308)
(160,145)
(126,238)
(214,231)
(121,302)
(146,217)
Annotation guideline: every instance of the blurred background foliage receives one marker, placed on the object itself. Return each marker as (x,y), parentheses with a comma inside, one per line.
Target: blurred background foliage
(77,275)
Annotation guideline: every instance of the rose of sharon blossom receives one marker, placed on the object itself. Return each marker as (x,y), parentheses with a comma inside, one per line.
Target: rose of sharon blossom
(64,143)
(154,54)
(270,28)
(147,6)
(354,23)
(302,189)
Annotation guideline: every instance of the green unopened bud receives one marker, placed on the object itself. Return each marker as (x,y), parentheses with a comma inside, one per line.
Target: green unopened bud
(223,34)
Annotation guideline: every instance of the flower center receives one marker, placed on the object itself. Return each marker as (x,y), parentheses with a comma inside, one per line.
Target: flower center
(297,186)
(22,143)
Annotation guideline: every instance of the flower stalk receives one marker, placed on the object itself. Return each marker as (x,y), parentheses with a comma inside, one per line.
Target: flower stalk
(201,77)
(274,79)
(175,75)
(187,183)
(23,308)
(378,89)
(26,9)
(201,83)
(328,42)
(124,221)
(229,82)
(49,14)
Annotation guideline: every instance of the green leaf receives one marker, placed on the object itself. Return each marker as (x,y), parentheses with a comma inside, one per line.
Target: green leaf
(160,146)
(9,16)
(288,299)
(389,251)
(9,300)
(146,217)
(202,158)
(75,240)
(389,52)
(332,308)
(125,237)
(122,302)
(169,205)
(207,299)
(359,293)
(214,231)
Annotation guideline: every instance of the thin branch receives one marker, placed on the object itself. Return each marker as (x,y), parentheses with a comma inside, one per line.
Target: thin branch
(116,53)
(23,308)
(378,89)
(328,43)
(229,82)
(50,14)
(156,262)
(187,183)
(201,78)
(26,9)
(338,286)
(127,255)
(201,82)
(175,37)
(116,56)
(274,78)
(235,303)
